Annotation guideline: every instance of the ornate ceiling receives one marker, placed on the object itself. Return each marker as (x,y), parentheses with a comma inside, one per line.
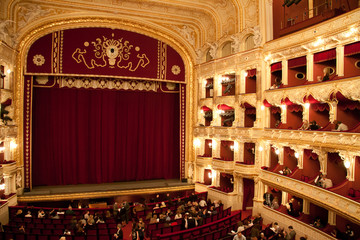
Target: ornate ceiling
(194,23)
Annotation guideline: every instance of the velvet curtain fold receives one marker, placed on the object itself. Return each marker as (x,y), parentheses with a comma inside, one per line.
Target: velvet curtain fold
(83,136)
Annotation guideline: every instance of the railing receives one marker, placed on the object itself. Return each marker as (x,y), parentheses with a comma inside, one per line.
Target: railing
(322,197)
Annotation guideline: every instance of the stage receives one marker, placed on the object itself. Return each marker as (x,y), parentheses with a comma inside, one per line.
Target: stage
(105,190)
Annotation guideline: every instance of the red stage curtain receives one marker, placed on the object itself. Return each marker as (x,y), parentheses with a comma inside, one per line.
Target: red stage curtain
(325,56)
(97,136)
(352,49)
(297,62)
(276,67)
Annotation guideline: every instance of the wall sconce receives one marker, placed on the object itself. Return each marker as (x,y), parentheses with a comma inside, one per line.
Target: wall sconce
(210,144)
(2,149)
(277,151)
(210,175)
(205,82)
(283,107)
(347,163)
(262,107)
(261,148)
(296,154)
(307,105)
(201,112)
(2,186)
(245,74)
(232,147)
(197,142)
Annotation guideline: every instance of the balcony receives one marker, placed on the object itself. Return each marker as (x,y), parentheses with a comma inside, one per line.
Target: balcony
(322,197)
(229,199)
(245,170)
(222,165)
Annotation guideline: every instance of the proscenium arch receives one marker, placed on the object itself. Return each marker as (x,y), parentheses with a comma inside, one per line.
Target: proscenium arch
(29,37)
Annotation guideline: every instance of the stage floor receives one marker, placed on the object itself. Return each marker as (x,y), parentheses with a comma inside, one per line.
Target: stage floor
(83,191)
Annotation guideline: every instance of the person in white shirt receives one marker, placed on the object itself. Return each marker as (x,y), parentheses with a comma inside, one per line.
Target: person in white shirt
(239,236)
(202,203)
(28,214)
(340,127)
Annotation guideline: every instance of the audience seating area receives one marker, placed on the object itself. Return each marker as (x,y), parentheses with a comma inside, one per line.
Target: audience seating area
(213,230)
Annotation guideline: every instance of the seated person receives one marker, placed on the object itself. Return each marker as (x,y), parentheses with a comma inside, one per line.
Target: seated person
(327,182)
(290,208)
(277,83)
(268,198)
(340,127)
(317,223)
(275,203)
(314,125)
(286,171)
(326,75)
(319,180)
(275,227)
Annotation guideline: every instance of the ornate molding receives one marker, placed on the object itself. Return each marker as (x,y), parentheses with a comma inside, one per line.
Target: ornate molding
(320,91)
(320,196)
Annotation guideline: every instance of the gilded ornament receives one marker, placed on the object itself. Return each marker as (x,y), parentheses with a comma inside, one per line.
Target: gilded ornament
(39,60)
(175,70)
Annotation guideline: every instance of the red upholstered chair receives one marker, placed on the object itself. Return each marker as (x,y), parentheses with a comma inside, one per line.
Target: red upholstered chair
(55,237)
(80,238)
(36,231)
(43,237)
(92,237)
(47,221)
(166,230)
(101,226)
(47,231)
(57,221)
(351,192)
(9,236)
(104,237)
(217,235)
(357,194)
(91,232)
(103,232)
(209,236)
(34,237)
(58,231)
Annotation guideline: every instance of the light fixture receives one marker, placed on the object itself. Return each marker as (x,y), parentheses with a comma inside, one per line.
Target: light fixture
(261,148)
(210,144)
(2,149)
(296,154)
(236,146)
(277,151)
(8,71)
(307,105)
(262,107)
(245,74)
(201,111)
(205,82)
(13,145)
(197,142)
(2,186)
(210,175)
(347,163)
(283,106)
(232,147)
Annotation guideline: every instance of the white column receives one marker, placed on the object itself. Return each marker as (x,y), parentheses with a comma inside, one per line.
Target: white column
(284,197)
(281,155)
(13,183)
(7,184)
(242,80)
(268,20)
(310,67)
(306,206)
(284,114)
(340,60)
(331,218)
(7,151)
(333,111)
(311,6)
(284,64)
